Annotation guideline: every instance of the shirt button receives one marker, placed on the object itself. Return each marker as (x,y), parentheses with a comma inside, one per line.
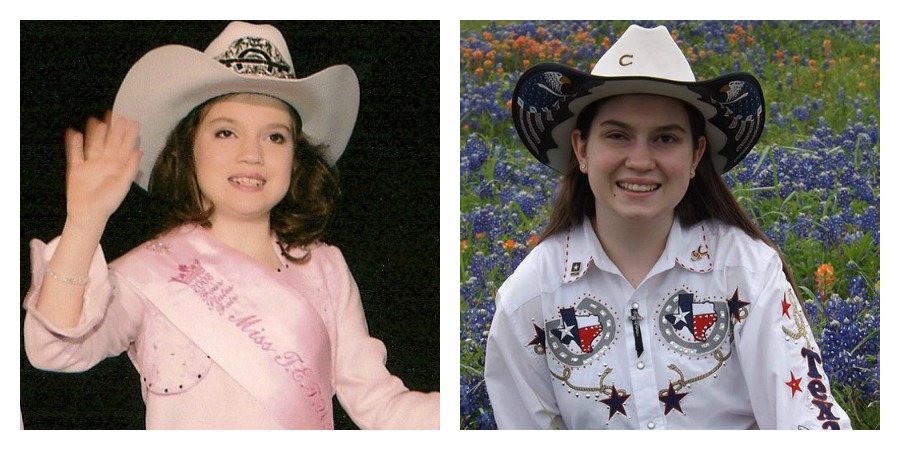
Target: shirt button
(640,365)
(651,425)
(634,305)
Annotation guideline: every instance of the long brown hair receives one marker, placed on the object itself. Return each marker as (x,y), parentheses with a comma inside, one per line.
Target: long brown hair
(298,220)
(707,196)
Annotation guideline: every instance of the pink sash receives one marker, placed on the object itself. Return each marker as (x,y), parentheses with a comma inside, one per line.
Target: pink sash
(256,327)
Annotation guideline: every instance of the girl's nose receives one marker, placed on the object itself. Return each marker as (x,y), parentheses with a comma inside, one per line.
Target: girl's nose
(641,157)
(251,152)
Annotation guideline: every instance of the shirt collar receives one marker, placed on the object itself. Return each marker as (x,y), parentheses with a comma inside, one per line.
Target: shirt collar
(687,248)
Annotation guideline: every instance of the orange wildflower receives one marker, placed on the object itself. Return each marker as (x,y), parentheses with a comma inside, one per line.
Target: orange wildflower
(532,240)
(463,244)
(824,279)
(509,245)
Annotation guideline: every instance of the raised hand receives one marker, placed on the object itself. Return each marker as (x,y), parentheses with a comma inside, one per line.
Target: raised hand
(101,165)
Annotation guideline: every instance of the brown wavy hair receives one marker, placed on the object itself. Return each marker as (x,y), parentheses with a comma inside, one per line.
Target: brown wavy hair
(707,196)
(298,220)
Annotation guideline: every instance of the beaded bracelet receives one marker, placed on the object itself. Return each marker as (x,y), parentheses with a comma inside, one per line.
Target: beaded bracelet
(68,279)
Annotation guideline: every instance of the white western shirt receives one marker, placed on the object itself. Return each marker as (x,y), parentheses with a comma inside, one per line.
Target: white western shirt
(725,342)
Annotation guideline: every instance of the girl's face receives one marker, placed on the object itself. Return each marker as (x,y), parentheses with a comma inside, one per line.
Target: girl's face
(638,158)
(243,151)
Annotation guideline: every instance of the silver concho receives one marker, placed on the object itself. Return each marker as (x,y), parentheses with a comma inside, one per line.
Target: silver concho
(581,332)
(692,327)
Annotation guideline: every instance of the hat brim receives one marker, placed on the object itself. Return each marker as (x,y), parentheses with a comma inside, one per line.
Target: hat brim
(170,81)
(548,98)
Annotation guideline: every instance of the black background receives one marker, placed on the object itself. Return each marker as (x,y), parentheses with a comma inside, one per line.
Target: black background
(387,219)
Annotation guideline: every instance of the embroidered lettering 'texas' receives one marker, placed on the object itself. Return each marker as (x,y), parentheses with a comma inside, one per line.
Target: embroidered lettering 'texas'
(818,390)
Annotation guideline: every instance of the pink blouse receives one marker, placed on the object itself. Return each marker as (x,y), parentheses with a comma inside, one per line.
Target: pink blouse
(185,389)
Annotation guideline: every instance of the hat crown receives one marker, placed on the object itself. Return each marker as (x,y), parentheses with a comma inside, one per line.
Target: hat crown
(645,52)
(250,49)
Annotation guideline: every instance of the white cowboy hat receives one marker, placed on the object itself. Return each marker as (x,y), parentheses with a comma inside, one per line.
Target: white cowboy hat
(170,81)
(548,97)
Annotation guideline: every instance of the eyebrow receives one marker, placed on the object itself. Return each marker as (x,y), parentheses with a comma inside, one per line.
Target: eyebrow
(235,122)
(663,128)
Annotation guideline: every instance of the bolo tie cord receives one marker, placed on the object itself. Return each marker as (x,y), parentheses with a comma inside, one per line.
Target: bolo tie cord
(635,325)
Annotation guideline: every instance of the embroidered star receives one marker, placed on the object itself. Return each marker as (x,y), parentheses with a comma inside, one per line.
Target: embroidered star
(794,384)
(785,307)
(735,304)
(616,402)
(565,331)
(539,337)
(672,399)
(681,319)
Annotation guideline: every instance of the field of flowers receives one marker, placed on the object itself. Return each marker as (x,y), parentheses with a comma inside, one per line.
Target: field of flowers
(812,184)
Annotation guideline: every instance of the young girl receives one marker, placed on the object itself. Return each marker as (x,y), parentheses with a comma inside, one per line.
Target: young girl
(652,300)
(236,316)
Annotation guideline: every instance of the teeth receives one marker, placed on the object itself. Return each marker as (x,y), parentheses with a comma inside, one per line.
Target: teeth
(247,181)
(639,187)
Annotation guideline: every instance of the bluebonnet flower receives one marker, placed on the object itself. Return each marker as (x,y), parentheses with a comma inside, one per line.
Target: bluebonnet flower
(800,113)
(843,198)
(848,338)
(870,219)
(802,226)
(474,154)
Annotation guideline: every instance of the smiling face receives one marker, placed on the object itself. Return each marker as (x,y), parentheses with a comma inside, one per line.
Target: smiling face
(638,157)
(243,152)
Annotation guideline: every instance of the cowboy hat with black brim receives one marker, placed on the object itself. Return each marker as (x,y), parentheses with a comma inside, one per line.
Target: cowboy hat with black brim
(170,81)
(548,97)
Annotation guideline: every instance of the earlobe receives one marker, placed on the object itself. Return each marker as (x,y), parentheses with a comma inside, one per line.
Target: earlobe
(579,147)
